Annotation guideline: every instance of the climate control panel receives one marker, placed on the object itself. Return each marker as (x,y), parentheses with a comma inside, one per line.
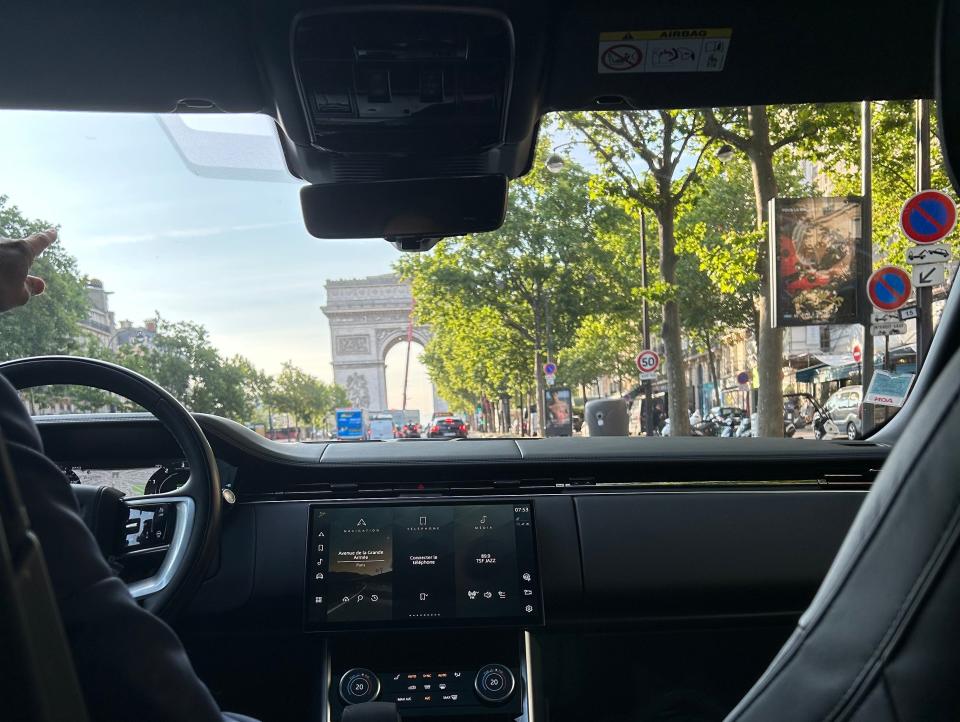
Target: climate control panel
(425,692)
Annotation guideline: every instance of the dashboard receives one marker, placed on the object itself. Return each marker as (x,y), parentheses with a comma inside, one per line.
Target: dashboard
(512,573)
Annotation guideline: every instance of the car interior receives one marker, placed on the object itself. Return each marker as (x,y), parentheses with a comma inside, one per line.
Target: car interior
(604,579)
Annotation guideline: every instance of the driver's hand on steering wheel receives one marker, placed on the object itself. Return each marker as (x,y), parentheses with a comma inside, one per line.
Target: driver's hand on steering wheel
(17,286)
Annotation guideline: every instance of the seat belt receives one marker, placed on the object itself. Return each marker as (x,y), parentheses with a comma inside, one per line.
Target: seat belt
(38,682)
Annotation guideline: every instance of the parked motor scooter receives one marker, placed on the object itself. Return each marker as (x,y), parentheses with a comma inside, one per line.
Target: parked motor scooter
(821,421)
(697,426)
(730,426)
(749,423)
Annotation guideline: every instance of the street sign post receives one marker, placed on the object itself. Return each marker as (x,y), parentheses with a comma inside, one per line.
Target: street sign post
(927,254)
(928,264)
(889,288)
(908,312)
(550,368)
(931,274)
(928,217)
(648,362)
(887,324)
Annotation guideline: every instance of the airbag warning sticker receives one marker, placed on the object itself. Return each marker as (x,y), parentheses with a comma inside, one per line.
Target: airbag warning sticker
(690,50)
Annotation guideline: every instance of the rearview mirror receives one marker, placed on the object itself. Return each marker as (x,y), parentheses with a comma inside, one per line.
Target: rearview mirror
(413,214)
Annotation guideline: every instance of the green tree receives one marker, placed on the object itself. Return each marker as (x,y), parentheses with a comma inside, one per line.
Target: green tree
(305,397)
(604,345)
(49,323)
(668,144)
(181,358)
(719,244)
(894,180)
(759,132)
(538,276)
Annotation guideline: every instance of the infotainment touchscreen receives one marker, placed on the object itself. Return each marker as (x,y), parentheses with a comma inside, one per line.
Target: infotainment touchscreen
(414,565)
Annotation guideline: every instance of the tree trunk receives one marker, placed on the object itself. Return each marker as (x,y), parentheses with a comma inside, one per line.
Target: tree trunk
(541,387)
(712,363)
(770,340)
(670,329)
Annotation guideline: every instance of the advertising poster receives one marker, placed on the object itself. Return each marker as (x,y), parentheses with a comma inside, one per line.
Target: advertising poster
(814,272)
(559,407)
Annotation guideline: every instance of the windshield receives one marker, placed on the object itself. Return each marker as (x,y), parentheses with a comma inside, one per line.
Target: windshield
(676,272)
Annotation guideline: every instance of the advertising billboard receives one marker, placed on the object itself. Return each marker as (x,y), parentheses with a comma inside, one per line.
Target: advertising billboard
(559,406)
(814,260)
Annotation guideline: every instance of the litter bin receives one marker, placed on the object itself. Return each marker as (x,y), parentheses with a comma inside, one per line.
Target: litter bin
(607,417)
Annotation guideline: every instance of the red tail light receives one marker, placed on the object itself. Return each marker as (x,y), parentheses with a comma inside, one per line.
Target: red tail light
(463,427)
(435,430)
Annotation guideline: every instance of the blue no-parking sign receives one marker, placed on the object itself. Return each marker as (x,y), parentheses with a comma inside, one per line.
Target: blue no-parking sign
(928,217)
(889,288)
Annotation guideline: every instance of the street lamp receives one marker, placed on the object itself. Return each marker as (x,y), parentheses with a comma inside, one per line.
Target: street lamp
(725,153)
(555,163)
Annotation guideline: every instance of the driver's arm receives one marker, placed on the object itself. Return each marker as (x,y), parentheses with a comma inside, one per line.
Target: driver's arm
(130,664)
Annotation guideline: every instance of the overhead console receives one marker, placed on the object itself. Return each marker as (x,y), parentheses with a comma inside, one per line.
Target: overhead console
(404,80)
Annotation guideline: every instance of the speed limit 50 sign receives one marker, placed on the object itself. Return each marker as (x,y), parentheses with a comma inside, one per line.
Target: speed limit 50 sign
(648,362)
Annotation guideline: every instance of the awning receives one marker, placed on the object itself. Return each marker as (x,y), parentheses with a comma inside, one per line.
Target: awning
(808,375)
(837,373)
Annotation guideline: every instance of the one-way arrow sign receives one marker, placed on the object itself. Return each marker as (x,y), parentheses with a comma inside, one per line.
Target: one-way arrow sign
(928,275)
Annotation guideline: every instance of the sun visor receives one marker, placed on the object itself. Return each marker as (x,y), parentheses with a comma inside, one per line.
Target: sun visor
(420,208)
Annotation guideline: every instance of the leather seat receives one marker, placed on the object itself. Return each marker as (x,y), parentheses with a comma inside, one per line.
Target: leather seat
(881,639)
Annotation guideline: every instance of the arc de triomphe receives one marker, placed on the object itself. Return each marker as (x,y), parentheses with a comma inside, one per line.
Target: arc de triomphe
(368,316)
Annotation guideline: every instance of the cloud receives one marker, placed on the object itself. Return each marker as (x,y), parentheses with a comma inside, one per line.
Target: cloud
(116,239)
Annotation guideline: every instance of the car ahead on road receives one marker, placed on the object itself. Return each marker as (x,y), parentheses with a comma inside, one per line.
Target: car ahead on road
(843,409)
(410,431)
(447,427)
(381,427)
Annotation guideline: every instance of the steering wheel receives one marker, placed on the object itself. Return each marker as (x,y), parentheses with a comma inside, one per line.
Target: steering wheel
(191,538)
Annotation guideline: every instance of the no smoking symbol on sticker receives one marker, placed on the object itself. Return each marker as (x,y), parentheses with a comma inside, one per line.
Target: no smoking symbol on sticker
(621,57)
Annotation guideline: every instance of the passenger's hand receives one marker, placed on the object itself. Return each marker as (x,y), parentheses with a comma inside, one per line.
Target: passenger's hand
(16,257)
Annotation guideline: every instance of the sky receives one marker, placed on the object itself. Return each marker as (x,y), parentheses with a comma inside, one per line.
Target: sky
(231,254)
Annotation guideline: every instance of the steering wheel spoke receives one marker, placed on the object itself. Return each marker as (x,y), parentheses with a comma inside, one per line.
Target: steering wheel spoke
(155,524)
